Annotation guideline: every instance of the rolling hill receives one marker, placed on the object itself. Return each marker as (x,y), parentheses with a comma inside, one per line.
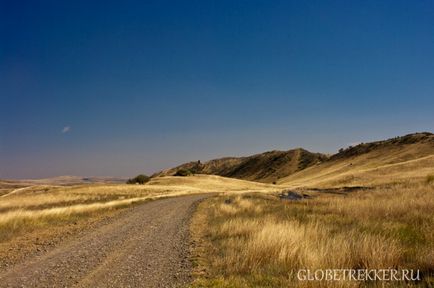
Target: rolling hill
(399,159)
(405,158)
(8,185)
(265,167)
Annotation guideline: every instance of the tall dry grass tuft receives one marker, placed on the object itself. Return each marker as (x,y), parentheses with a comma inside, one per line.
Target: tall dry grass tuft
(286,246)
(259,240)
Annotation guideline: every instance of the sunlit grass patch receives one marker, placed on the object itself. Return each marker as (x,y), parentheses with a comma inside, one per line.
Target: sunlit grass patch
(33,207)
(258,239)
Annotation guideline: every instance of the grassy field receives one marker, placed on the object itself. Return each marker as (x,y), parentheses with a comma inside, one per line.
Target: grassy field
(258,240)
(42,206)
(247,236)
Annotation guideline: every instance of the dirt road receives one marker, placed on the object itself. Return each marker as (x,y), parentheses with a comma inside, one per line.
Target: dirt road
(146,246)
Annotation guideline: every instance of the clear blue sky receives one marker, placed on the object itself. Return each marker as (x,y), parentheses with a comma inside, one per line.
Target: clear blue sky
(123,87)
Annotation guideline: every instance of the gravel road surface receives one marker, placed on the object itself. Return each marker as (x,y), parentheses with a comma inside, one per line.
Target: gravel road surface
(146,246)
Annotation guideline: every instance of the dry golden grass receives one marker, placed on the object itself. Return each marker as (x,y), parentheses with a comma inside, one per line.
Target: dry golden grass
(44,205)
(385,165)
(256,240)
(212,183)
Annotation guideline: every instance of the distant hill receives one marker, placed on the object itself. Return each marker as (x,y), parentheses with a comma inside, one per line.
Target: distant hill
(8,185)
(265,167)
(399,159)
(62,180)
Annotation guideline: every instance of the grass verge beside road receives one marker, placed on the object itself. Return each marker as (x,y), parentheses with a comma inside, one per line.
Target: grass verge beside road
(258,240)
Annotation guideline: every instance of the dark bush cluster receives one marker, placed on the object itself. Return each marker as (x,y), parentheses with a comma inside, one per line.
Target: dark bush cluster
(139,179)
(183,172)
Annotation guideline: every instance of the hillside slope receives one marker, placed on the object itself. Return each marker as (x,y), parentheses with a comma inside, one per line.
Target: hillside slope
(406,158)
(264,167)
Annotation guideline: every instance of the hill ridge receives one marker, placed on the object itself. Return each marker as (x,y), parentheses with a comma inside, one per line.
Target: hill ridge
(398,159)
(267,167)
(300,165)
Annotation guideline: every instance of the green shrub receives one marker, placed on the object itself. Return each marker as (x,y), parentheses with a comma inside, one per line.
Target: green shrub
(139,179)
(183,172)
